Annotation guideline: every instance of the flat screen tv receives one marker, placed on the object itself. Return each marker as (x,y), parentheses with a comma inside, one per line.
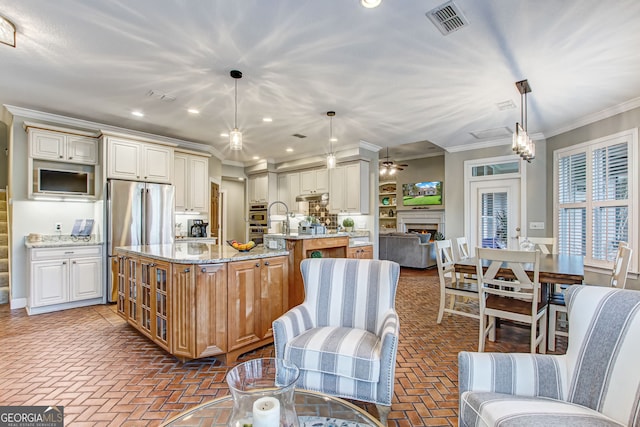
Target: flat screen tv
(426,193)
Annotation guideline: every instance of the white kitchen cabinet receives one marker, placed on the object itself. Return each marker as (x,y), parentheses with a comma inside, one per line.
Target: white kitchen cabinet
(349,191)
(64,277)
(314,181)
(262,188)
(288,190)
(139,161)
(191,179)
(62,147)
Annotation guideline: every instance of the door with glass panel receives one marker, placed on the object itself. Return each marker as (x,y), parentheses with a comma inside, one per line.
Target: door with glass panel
(495,213)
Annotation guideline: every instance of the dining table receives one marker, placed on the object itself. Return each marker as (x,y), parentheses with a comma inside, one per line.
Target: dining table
(555,269)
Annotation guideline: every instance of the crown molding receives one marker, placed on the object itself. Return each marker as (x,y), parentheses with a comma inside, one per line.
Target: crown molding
(600,115)
(369,146)
(101,127)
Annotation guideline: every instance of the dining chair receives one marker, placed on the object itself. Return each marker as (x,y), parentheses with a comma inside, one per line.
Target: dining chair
(462,246)
(450,285)
(546,245)
(507,292)
(618,280)
(344,336)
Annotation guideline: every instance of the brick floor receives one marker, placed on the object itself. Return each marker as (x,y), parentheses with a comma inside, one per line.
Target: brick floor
(106,374)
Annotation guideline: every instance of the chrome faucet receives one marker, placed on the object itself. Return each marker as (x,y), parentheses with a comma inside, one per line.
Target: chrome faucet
(286,222)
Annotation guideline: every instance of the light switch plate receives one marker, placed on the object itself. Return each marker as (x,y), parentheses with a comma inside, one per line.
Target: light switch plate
(536,226)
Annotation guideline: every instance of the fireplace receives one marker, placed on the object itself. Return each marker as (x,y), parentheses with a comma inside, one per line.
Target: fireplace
(421,222)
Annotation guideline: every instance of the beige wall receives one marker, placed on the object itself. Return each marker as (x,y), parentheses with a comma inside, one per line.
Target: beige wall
(536,178)
(235,208)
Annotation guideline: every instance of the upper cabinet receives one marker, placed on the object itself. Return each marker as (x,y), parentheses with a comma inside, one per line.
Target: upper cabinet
(62,147)
(191,174)
(262,188)
(139,161)
(350,188)
(314,181)
(288,190)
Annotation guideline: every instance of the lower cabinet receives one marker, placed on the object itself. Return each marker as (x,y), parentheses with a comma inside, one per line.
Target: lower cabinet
(202,310)
(256,293)
(361,252)
(64,277)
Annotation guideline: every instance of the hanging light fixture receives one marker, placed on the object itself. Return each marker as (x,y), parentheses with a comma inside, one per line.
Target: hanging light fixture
(7,32)
(235,136)
(331,158)
(522,143)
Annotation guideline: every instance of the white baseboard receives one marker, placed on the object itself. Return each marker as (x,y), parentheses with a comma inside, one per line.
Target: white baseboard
(18,303)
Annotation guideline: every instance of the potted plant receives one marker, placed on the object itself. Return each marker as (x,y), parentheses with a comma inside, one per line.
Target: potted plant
(347,223)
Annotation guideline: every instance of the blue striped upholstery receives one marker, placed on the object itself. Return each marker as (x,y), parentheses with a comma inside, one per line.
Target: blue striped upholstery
(597,382)
(344,336)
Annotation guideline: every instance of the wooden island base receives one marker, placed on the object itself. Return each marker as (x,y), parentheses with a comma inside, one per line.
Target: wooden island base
(221,309)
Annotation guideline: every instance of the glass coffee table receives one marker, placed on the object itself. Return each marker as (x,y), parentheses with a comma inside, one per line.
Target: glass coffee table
(313,409)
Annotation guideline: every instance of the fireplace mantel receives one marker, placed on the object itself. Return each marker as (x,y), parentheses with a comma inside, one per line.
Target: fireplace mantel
(422,217)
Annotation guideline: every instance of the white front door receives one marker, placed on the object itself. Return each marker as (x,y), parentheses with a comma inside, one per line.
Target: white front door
(495,213)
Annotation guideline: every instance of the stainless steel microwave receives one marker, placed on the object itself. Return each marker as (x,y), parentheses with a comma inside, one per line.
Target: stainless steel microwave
(64,181)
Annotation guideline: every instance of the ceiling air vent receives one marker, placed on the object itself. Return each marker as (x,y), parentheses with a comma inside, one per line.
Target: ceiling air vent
(298,135)
(447,17)
(496,133)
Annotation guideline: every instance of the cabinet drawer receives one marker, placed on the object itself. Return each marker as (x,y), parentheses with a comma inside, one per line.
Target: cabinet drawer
(65,252)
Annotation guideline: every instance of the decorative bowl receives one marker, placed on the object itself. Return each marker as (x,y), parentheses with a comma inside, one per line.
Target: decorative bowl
(240,247)
(385,200)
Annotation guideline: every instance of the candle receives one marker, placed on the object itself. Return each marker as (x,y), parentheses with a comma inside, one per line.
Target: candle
(266,412)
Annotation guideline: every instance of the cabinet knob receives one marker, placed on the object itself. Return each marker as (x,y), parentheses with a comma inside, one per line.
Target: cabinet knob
(153,264)
(266,263)
(60,157)
(74,262)
(64,262)
(257,264)
(203,270)
(187,270)
(70,158)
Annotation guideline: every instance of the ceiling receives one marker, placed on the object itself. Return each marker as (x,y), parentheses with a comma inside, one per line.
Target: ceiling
(391,76)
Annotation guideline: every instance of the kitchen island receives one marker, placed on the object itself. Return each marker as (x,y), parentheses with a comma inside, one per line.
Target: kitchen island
(302,246)
(198,300)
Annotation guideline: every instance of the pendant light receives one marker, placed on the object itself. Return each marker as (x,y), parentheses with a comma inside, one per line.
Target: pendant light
(331,158)
(7,32)
(522,143)
(235,136)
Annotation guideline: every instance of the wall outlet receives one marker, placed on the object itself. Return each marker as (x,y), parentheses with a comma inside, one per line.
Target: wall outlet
(58,226)
(536,226)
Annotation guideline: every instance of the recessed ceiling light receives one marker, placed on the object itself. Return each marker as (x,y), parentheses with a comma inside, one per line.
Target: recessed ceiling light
(137,113)
(256,157)
(267,119)
(224,135)
(193,111)
(370,4)
(289,150)
(240,178)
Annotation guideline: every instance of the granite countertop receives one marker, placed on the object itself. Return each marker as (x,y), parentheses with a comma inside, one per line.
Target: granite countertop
(296,236)
(55,241)
(199,253)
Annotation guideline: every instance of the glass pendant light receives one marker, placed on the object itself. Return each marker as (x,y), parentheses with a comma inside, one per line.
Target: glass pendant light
(331,158)
(522,143)
(235,136)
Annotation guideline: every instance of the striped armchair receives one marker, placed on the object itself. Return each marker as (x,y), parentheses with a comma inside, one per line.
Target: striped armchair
(344,336)
(596,383)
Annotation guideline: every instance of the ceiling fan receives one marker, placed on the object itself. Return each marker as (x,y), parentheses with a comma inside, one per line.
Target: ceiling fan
(389,167)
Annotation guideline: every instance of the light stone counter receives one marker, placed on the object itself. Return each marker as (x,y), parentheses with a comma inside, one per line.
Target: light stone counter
(199,253)
(55,241)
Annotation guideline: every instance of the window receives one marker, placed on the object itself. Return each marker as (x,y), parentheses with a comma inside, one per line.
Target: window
(596,201)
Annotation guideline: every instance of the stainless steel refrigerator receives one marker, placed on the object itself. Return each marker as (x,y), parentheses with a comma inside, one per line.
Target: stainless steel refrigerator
(138,213)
